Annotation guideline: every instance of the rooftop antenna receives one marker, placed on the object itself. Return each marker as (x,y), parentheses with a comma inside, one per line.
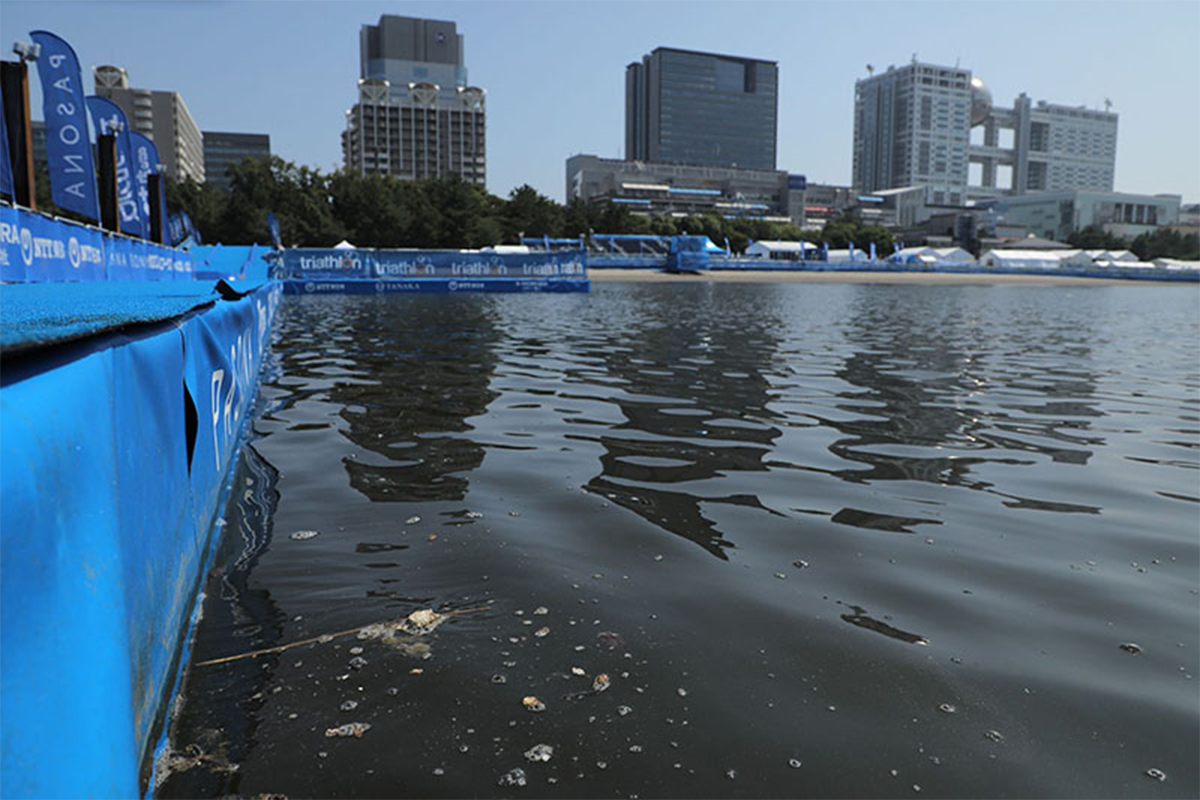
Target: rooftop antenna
(1107,104)
(870,69)
(956,60)
(914,60)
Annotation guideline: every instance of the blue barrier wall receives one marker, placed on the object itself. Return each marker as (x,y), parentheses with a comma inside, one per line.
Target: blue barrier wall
(114,455)
(35,248)
(360,264)
(356,271)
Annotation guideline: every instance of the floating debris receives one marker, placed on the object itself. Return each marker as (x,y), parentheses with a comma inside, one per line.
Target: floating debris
(412,520)
(416,671)
(533,704)
(624,711)
(499,678)
(1156,773)
(794,763)
(422,622)
(781,576)
(355,651)
(349,705)
(995,736)
(577,671)
(358,662)
(539,752)
(800,564)
(947,708)
(601,682)
(301,536)
(658,557)
(611,640)
(355,729)
(514,777)
(1130,647)
(474,515)
(541,632)
(541,611)
(681,692)
(635,748)
(731,774)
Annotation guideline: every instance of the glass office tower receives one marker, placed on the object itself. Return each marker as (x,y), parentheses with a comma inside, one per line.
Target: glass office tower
(686,107)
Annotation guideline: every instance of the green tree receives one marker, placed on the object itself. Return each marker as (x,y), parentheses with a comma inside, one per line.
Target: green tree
(1166,243)
(530,213)
(1095,237)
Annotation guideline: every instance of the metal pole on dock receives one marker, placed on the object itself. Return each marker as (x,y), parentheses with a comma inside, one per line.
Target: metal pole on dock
(154,187)
(106,163)
(14,83)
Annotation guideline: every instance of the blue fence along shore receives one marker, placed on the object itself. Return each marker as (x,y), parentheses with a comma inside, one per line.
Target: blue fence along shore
(366,271)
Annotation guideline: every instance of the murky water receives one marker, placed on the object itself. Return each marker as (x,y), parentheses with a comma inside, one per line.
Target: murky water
(822,540)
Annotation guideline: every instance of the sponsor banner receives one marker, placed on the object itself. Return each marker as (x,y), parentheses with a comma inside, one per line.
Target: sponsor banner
(377,287)
(409,264)
(327,263)
(35,248)
(108,118)
(68,144)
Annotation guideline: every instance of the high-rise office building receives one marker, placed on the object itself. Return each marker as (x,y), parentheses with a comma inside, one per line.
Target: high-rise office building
(685,107)
(416,116)
(160,115)
(223,149)
(912,127)
(1054,148)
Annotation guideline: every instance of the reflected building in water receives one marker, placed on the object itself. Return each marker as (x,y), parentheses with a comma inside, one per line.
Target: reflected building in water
(657,462)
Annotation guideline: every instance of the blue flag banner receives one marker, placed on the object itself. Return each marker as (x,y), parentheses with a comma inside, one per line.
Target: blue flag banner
(6,172)
(68,145)
(108,117)
(145,162)
(401,265)
(176,229)
(273,227)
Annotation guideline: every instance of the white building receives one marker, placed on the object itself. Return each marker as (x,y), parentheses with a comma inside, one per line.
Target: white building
(1056,215)
(160,115)
(1045,148)
(912,127)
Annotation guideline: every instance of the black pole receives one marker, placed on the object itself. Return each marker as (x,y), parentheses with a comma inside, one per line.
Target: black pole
(14,82)
(155,188)
(106,158)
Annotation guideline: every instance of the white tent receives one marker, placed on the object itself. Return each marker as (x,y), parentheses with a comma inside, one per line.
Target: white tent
(1020,259)
(932,255)
(1176,264)
(343,245)
(779,249)
(1073,258)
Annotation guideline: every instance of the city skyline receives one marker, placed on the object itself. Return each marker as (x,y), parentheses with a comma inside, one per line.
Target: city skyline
(555,72)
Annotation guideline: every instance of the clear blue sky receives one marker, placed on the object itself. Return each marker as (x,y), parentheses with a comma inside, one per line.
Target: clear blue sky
(554,71)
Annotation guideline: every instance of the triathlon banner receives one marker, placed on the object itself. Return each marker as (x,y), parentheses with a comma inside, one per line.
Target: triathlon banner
(37,249)
(68,144)
(356,264)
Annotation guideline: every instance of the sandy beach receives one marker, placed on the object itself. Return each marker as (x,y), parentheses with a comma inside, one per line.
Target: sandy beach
(765,276)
